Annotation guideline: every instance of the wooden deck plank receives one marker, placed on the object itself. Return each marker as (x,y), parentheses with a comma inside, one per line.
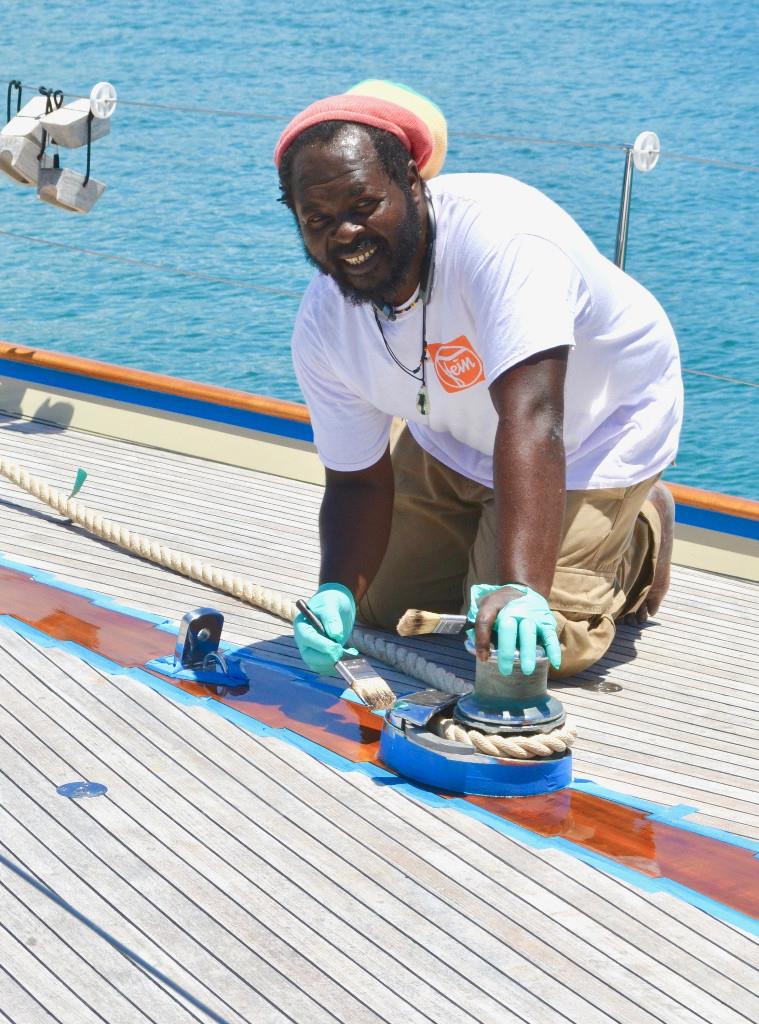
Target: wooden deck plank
(159,854)
(73,952)
(24,1004)
(536,909)
(198,810)
(344,895)
(43,979)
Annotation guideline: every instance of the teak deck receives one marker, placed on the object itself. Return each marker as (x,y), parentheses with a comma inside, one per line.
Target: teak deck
(235,872)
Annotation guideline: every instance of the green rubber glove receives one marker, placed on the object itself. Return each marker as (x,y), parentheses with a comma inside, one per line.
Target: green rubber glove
(519,624)
(334,605)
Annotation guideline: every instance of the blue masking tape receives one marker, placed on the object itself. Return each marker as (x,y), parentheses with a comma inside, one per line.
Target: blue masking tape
(81,476)
(381,776)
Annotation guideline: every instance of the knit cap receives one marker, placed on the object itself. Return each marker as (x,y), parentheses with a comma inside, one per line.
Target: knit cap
(411,117)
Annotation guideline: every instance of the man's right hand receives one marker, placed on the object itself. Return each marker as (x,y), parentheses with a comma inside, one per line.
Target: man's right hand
(334,606)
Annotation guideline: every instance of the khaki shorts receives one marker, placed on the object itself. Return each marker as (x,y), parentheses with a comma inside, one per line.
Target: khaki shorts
(442,542)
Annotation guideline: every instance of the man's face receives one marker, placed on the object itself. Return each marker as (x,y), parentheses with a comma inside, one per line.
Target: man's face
(359,227)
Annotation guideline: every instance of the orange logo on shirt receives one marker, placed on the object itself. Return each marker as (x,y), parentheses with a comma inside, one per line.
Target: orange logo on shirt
(456,363)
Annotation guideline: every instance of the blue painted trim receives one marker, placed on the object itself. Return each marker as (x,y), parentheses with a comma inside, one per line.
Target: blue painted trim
(720,522)
(159,400)
(670,816)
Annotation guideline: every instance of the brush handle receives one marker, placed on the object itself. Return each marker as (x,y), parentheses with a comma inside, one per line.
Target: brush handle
(312,617)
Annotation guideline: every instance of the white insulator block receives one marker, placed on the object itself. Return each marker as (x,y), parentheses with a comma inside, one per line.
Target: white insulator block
(18,159)
(64,187)
(68,125)
(26,123)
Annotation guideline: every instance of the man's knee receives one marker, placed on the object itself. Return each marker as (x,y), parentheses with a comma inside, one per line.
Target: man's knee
(584,641)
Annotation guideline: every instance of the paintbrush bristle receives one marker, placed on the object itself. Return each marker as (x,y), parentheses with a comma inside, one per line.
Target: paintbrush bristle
(375,693)
(415,622)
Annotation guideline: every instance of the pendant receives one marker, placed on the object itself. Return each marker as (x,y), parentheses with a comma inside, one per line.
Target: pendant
(423,400)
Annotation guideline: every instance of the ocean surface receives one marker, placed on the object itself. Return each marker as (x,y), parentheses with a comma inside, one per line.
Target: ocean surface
(196,192)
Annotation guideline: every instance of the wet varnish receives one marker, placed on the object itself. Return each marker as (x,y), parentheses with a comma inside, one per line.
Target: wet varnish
(625,835)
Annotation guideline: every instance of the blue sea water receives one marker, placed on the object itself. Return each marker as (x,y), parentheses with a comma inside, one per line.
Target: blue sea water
(198,192)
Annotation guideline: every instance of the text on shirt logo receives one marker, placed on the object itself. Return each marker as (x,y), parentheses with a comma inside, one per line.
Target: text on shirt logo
(457,364)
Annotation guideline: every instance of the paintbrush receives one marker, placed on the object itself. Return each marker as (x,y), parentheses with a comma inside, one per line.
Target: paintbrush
(355,670)
(418,623)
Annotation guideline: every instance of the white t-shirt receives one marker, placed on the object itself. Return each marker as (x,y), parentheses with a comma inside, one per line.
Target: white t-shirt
(515,275)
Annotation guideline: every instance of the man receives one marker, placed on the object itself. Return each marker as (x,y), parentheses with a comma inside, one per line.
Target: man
(540,384)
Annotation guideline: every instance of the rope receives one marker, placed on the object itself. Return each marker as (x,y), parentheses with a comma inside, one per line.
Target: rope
(243,589)
(526,748)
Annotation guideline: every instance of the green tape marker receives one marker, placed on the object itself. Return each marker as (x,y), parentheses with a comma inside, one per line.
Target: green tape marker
(81,476)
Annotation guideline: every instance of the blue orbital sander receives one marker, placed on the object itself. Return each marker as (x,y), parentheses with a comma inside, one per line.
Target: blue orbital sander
(507,706)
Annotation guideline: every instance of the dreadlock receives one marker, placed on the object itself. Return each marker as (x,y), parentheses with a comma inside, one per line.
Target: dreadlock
(392,154)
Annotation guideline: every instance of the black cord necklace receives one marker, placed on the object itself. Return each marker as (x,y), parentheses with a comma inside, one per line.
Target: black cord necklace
(425,291)
(422,397)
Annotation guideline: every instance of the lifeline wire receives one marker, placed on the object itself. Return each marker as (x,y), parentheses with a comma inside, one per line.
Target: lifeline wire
(165,268)
(496,136)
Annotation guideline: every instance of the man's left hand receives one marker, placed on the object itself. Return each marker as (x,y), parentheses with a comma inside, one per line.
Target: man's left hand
(520,616)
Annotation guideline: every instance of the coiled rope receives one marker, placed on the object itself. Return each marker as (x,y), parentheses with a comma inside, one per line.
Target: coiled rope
(544,744)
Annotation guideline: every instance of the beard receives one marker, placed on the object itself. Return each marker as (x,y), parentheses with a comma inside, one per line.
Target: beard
(400,255)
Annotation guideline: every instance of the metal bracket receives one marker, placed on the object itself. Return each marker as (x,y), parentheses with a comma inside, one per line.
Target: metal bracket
(198,638)
(416,709)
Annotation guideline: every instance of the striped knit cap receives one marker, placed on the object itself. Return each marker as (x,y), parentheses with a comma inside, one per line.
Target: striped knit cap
(411,117)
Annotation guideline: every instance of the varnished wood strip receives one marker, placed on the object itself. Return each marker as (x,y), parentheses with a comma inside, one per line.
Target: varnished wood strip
(712,501)
(350,730)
